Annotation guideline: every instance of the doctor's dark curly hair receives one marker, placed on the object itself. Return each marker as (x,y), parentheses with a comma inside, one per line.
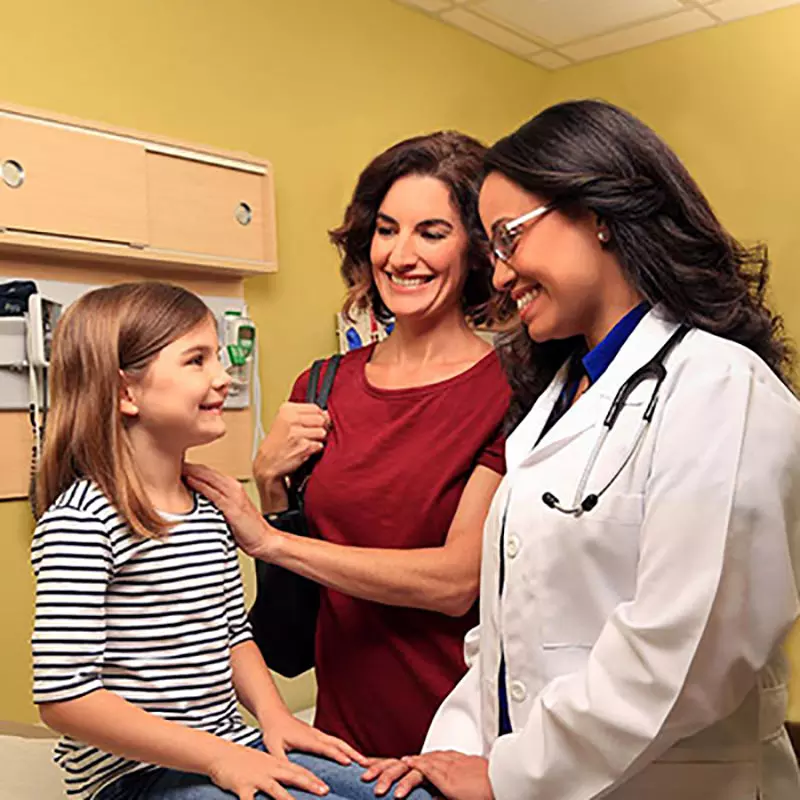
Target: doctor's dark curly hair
(590,156)
(457,161)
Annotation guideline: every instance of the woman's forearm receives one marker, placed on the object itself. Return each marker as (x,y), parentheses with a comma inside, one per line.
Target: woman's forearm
(107,721)
(443,579)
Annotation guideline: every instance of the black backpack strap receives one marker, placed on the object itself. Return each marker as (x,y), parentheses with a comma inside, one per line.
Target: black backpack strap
(313,380)
(327,383)
(319,395)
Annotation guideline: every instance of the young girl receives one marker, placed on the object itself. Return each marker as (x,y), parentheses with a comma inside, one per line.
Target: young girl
(141,646)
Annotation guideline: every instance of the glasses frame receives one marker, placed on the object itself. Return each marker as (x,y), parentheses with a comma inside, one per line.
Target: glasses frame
(504,248)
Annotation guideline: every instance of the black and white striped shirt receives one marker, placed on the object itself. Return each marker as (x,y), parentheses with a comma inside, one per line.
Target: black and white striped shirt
(152,620)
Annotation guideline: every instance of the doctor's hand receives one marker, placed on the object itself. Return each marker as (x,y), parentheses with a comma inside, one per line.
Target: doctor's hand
(456,776)
(251,531)
(389,770)
(298,432)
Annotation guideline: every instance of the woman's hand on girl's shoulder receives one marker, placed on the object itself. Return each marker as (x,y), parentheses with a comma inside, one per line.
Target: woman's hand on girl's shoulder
(252,533)
(286,732)
(245,771)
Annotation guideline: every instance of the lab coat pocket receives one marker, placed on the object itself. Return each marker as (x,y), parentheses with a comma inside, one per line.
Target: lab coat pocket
(588,568)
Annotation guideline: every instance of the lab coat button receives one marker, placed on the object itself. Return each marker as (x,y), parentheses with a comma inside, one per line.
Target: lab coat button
(512,547)
(518,691)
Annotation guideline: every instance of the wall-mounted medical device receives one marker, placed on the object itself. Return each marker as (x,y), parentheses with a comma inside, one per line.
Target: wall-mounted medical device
(27,322)
(239,355)
(237,338)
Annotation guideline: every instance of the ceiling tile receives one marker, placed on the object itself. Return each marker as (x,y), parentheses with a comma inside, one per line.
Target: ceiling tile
(549,60)
(646,33)
(560,21)
(728,10)
(432,6)
(472,23)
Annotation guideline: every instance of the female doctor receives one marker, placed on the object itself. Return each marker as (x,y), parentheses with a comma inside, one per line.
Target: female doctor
(637,578)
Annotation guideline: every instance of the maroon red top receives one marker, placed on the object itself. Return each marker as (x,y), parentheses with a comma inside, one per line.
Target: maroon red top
(392,473)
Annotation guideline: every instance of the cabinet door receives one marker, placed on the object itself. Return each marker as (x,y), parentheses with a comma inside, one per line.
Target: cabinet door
(199,207)
(75,183)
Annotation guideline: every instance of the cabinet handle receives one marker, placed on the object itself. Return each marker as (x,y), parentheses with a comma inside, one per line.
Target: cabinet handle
(13,174)
(243,214)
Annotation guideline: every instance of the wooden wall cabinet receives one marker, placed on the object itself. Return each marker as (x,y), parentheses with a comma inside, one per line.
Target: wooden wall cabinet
(73,184)
(73,188)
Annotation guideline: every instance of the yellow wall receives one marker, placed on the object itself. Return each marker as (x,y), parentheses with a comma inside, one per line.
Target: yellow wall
(316,86)
(728,100)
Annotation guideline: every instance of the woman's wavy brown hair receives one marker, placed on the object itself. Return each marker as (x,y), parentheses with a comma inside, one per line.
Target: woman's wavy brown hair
(457,161)
(106,333)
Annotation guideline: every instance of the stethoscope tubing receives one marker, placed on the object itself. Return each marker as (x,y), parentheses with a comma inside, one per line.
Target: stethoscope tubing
(653,369)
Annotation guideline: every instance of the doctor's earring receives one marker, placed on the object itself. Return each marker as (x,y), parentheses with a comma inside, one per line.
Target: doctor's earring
(604,236)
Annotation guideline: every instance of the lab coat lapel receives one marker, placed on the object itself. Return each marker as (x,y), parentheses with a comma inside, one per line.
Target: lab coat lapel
(522,439)
(591,407)
(644,342)
(524,443)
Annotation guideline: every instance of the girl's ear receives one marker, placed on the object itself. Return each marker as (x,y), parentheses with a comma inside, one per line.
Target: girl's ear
(127,403)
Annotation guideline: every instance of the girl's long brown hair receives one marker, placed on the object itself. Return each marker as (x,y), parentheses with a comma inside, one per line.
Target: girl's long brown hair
(106,333)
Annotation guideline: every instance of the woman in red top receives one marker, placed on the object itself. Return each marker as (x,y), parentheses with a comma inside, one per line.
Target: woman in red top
(413,452)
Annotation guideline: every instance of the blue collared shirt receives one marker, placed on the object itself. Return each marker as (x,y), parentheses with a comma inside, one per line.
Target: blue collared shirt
(595,363)
(599,358)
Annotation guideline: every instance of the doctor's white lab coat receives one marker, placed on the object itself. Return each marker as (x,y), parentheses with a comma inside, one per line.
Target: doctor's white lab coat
(643,639)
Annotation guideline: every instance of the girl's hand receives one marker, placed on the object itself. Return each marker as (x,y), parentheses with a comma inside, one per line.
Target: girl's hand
(456,776)
(245,771)
(251,531)
(298,432)
(289,733)
(389,770)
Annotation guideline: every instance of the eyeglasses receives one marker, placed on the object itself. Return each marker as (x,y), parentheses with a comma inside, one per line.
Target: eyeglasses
(505,237)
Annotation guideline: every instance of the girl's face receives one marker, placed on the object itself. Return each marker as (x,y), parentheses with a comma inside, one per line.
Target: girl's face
(178,400)
(419,249)
(564,282)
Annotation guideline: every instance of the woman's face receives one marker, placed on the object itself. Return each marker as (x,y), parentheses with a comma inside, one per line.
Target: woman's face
(562,279)
(419,249)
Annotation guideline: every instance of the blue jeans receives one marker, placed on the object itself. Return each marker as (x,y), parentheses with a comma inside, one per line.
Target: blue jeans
(170,784)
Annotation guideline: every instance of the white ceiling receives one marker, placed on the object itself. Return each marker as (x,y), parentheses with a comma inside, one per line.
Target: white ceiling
(557,33)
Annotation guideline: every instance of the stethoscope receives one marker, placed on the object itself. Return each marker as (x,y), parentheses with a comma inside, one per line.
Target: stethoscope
(654,369)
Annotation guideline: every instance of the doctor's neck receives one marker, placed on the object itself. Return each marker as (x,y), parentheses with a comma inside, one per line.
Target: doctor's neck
(608,311)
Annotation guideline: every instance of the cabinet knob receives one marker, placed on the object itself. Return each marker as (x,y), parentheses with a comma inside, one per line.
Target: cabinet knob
(13,174)
(244,214)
